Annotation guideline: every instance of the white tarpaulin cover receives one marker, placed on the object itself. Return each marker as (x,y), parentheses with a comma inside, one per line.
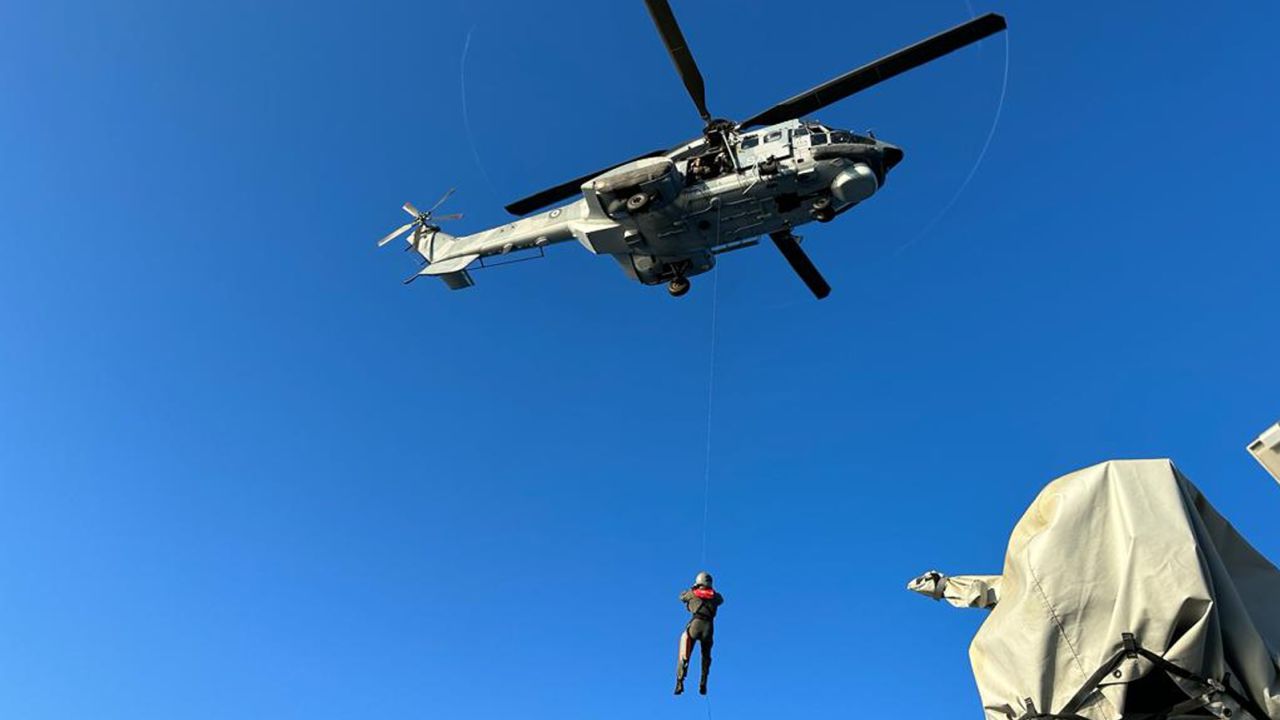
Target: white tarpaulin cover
(1124,547)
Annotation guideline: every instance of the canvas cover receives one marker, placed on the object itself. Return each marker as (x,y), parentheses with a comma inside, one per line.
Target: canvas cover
(1124,547)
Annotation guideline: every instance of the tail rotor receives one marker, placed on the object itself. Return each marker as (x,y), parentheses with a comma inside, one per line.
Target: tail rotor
(421,220)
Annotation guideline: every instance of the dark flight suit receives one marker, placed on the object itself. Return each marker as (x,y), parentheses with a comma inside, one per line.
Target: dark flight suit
(702,602)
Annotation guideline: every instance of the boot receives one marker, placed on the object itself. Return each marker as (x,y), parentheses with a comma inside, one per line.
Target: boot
(679,685)
(702,687)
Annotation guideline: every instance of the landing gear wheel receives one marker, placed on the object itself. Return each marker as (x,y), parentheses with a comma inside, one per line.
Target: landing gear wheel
(637,202)
(678,287)
(821,210)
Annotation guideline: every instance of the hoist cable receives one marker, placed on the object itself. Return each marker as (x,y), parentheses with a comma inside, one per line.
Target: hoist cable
(711,386)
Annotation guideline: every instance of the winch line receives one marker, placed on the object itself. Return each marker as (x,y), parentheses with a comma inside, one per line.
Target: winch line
(711,387)
(706,465)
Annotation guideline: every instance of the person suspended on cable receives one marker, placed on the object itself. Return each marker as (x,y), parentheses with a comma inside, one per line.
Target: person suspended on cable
(701,600)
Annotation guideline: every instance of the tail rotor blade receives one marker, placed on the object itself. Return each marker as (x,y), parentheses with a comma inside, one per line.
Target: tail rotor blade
(397,233)
(450,216)
(409,208)
(441,200)
(800,262)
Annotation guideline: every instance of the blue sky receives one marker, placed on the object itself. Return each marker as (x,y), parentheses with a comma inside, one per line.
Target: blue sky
(245,473)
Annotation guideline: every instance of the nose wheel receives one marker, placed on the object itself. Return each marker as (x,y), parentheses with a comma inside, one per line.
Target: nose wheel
(821,210)
(678,287)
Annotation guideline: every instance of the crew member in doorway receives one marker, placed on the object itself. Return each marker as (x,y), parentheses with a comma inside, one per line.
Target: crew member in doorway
(702,600)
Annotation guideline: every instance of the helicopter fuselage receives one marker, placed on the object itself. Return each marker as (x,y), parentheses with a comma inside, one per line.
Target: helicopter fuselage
(667,214)
(668,217)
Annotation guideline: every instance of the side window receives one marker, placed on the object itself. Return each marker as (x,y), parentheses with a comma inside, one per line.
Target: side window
(800,132)
(750,141)
(818,139)
(840,137)
(773,136)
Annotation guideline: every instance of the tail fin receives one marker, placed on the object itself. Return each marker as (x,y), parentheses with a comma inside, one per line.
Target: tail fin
(445,255)
(439,249)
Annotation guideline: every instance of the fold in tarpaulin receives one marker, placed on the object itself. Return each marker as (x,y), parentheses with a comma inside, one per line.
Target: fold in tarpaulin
(1124,593)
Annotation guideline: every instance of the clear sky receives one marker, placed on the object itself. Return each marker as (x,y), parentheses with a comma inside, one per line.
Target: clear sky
(245,473)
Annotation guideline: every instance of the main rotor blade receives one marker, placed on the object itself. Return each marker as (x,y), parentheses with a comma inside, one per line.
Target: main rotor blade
(568,189)
(801,263)
(880,70)
(393,235)
(669,29)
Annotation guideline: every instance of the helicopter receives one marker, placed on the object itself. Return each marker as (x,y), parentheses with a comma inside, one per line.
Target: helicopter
(666,215)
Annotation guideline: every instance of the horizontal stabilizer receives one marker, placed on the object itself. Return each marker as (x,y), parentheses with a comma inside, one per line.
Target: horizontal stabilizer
(452,271)
(460,280)
(457,280)
(444,267)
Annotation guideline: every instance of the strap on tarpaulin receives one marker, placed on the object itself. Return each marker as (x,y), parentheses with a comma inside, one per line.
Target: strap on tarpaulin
(1131,649)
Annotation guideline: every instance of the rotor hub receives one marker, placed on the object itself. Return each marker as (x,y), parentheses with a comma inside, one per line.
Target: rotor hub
(719,125)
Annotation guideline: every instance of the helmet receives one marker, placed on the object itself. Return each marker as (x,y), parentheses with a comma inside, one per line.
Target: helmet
(703,579)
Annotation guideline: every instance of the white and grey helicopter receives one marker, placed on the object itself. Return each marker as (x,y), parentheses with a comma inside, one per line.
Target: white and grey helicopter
(666,215)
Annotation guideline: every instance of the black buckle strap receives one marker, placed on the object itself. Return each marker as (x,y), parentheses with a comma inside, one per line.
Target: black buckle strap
(1215,686)
(1130,645)
(1131,649)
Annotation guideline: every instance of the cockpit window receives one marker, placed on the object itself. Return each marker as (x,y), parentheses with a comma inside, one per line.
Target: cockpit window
(750,141)
(818,139)
(775,135)
(799,132)
(841,137)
